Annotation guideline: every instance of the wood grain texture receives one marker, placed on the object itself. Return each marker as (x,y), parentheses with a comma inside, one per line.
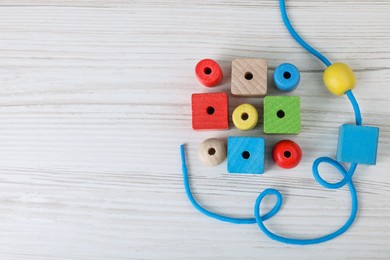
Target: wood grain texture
(95,100)
(249,77)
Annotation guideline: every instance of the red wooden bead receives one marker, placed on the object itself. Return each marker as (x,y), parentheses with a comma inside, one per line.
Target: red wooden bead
(287,154)
(208,72)
(210,111)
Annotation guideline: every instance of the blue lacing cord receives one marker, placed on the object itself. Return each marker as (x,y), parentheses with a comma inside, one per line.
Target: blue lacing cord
(346,174)
(317,54)
(208,213)
(279,199)
(298,38)
(355,105)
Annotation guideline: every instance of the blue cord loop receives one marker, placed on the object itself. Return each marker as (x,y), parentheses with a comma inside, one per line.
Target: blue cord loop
(279,200)
(294,241)
(347,174)
(333,186)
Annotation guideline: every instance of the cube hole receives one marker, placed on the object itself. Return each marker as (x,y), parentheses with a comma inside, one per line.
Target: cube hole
(246,155)
(280,113)
(210,110)
(248,76)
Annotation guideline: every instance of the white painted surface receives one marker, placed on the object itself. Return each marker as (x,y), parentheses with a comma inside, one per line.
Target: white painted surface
(95,100)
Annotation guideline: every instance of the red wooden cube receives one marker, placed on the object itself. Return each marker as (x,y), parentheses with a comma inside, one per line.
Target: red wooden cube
(210,111)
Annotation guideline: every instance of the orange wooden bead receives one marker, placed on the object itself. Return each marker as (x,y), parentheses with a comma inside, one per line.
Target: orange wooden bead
(208,72)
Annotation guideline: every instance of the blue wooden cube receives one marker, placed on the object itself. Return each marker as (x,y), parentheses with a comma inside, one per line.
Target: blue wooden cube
(358,144)
(245,155)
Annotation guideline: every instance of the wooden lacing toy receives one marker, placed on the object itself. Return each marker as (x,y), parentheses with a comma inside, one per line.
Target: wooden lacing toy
(357,145)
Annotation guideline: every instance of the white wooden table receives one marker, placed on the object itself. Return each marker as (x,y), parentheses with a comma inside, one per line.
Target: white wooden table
(95,101)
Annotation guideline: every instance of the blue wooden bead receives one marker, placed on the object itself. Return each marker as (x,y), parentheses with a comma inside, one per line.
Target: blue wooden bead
(286,77)
(358,144)
(245,155)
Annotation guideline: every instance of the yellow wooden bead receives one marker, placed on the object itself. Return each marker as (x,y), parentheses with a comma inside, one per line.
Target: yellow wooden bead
(245,117)
(339,78)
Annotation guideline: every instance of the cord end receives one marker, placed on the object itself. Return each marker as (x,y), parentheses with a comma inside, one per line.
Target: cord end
(183,157)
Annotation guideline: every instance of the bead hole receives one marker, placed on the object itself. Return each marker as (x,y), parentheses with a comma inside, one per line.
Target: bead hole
(246,155)
(248,75)
(211,151)
(287,154)
(280,114)
(210,110)
(207,70)
(244,116)
(287,75)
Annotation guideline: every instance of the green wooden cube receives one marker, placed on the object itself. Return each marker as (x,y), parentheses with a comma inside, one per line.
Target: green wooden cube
(282,115)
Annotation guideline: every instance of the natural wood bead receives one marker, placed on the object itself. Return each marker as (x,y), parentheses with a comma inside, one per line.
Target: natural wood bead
(249,77)
(212,152)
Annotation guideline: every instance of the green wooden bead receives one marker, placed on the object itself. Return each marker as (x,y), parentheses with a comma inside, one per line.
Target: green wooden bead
(282,115)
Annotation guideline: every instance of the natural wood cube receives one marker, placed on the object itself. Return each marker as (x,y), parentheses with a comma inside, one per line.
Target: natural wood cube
(249,77)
